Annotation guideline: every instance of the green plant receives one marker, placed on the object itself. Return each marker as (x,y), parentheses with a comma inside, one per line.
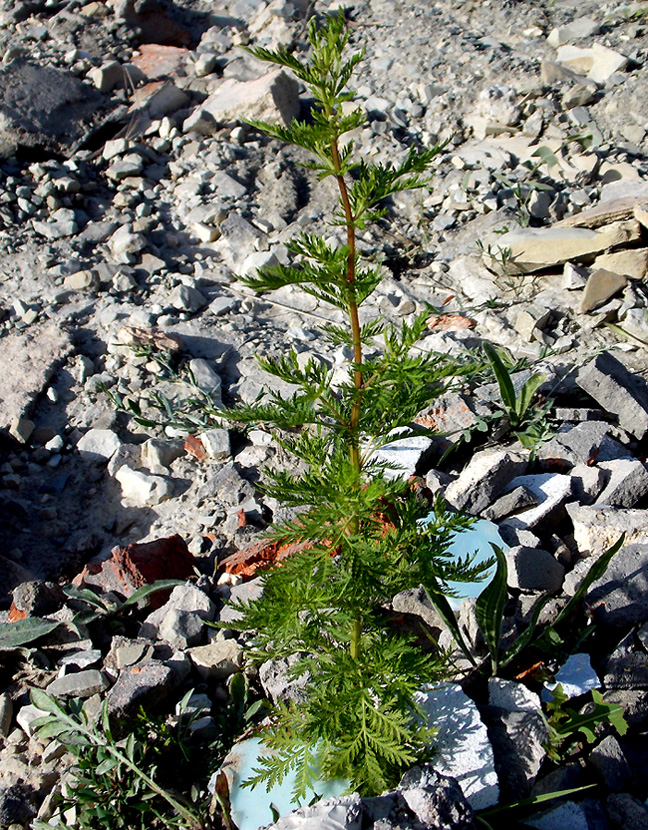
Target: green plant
(567,726)
(529,427)
(156,774)
(489,612)
(358,526)
(114,781)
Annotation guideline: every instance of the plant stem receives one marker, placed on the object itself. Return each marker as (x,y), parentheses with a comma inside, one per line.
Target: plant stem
(354,448)
(353,307)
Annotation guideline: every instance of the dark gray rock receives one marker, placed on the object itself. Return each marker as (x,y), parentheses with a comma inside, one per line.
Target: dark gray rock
(43,108)
(587,814)
(484,478)
(532,569)
(517,499)
(16,805)
(277,682)
(586,443)
(634,703)
(626,812)
(517,739)
(620,597)
(626,671)
(417,603)
(627,483)
(616,390)
(611,765)
(143,684)
(436,800)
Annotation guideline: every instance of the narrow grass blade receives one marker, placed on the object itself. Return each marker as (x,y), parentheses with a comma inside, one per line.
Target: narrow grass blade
(502,376)
(489,608)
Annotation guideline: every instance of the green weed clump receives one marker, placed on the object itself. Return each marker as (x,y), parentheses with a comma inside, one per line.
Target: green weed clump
(357,522)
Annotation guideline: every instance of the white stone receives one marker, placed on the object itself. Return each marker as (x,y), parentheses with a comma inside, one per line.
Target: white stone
(98,445)
(577,29)
(124,242)
(512,696)
(27,715)
(259,259)
(462,748)
(187,298)
(576,676)
(217,444)
(142,488)
(217,660)
(272,97)
(605,63)
(403,455)
(551,490)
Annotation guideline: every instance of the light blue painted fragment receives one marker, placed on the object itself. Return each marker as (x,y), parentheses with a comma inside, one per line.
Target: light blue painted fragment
(477,540)
(251,806)
(576,676)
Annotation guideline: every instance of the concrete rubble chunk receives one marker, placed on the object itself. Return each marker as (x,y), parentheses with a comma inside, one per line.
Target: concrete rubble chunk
(142,488)
(98,445)
(611,765)
(580,28)
(627,482)
(404,455)
(43,107)
(28,362)
(272,97)
(531,569)
(596,528)
(585,443)
(463,750)
(79,684)
(144,684)
(618,598)
(534,249)
(616,390)
(551,491)
(601,286)
(435,799)
(485,477)
(217,660)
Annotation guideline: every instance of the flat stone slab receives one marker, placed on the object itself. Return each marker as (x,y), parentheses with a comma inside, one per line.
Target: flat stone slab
(43,107)
(462,748)
(551,491)
(28,362)
(620,597)
(598,527)
(618,391)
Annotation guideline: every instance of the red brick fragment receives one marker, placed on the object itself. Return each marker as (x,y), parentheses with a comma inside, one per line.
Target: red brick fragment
(259,556)
(194,446)
(143,563)
(450,322)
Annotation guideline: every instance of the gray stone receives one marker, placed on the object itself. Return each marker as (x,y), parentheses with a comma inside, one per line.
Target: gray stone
(517,499)
(181,629)
(551,491)
(626,812)
(6,714)
(80,684)
(486,476)
(627,483)
(511,696)
(576,677)
(28,362)
(577,29)
(217,444)
(611,765)
(43,108)
(277,683)
(463,750)
(436,800)
(587,483)
(98,445)
(241,238)
(187,298)
(584,443)
(272,97)
(158,453)
(587,814)
(183,598)
(533,570)
(141,488)
(217,660)
(405,455)
(343,813)
(620,597)
(417,603)
(82,659)
(618,391)
(597,528)
(245,592)
(144,684)
(206,377)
